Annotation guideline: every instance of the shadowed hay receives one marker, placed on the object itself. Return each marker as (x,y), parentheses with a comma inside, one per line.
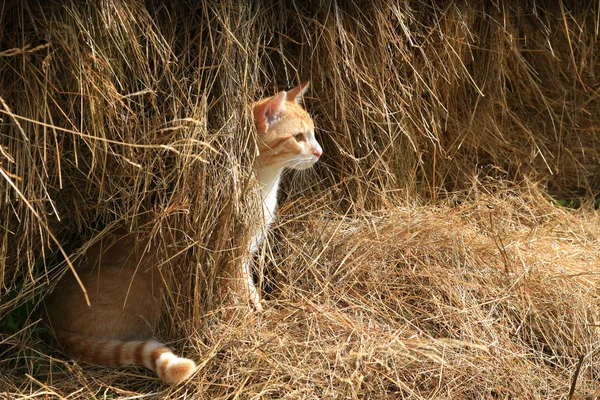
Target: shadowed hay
(129,113)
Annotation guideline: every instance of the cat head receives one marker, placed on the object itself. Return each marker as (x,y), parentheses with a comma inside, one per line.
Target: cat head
(286,133)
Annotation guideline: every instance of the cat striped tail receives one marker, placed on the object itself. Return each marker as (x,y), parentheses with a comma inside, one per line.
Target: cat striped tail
(150,354)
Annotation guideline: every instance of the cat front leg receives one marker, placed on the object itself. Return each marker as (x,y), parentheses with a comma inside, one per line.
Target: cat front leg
(239,290)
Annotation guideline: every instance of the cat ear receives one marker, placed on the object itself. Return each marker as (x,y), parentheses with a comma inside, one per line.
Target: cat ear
(299,91)
(266,113)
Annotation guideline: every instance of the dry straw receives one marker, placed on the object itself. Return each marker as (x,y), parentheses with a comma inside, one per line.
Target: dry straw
(422,258)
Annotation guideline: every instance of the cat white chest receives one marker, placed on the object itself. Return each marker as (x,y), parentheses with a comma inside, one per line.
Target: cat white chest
(269,207)
(269,186)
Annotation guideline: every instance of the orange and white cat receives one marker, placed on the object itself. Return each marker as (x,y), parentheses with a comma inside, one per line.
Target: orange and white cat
(125,287)
(286,139)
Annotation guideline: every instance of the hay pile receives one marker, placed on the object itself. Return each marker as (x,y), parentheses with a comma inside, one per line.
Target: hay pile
(421,258)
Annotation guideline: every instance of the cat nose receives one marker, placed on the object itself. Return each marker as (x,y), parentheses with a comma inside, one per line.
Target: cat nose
(318,151)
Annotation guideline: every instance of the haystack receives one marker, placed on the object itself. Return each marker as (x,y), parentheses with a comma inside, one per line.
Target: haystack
(426,256)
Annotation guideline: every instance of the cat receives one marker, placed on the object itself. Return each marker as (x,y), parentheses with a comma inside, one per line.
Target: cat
(125,288)
(286,139)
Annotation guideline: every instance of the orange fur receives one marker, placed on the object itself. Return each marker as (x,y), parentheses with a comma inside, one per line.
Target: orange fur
(278,118)
(125,292)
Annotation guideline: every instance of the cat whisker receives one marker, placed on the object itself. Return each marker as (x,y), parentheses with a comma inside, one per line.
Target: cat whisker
(299,177)
(295,163)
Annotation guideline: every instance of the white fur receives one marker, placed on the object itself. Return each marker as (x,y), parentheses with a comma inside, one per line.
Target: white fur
(269,178)
(149,347)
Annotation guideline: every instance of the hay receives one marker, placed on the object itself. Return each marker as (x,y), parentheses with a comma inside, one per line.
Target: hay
(422,258)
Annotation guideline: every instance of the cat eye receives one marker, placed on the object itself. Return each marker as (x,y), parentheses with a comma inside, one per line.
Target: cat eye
(300,137)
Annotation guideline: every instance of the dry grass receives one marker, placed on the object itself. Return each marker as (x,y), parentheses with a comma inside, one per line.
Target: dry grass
(422,258)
